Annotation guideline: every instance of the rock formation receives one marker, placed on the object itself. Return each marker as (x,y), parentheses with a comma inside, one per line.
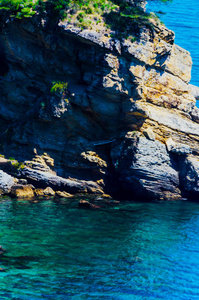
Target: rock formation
(126,123)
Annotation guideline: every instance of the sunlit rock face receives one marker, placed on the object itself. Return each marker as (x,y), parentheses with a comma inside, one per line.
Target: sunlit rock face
(122,101)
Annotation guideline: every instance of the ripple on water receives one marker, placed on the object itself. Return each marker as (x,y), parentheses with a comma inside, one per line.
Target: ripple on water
(138,251)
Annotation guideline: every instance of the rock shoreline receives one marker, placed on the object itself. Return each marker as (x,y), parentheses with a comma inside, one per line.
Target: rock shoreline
(126,125)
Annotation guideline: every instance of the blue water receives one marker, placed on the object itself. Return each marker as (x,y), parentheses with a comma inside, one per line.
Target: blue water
(182,16)
(138,251)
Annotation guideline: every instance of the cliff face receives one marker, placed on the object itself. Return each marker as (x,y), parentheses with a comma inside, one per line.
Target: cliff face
(127,119)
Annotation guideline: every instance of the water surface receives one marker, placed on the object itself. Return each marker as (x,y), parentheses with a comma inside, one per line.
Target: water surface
(131,251)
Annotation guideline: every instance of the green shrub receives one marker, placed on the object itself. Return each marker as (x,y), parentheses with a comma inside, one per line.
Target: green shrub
(59,87)
(18,8)
(121,16)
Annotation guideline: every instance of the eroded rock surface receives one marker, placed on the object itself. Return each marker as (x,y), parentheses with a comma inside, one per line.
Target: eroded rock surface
(145,168)
(6,182)
(189,174)
(109,130)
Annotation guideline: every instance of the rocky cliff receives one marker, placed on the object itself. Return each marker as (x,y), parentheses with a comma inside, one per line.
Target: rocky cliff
(125,119)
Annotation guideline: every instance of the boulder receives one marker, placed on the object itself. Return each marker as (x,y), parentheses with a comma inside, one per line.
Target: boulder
(144,168)
(46,179)
(6,182)
(189,174)
(22,191)
(63,194)
(49,192)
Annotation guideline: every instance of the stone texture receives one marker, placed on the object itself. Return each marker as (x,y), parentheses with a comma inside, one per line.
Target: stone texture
(178,148)
(145,169)
(63,194)
(194,91)
(22,191)
(189,174)
(113,87)
(39,192)
(148,132)
(49,192)
(6,182)
(47,179)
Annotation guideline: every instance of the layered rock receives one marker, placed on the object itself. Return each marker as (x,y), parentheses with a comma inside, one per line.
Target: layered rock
(125,99)
(145,168)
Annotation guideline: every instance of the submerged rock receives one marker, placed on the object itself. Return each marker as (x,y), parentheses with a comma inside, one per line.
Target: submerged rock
(87,204)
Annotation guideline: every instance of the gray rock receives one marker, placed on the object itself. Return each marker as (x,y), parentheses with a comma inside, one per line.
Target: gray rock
(145,169)
(194,91)
(45,179)
(177,148)
(6,182)
(189,174)
(195,114)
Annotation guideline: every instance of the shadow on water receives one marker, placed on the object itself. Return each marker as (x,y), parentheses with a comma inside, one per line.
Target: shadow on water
(18,262)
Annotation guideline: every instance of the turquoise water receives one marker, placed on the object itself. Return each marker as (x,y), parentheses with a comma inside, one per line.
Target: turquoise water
(182,17)
(131,251)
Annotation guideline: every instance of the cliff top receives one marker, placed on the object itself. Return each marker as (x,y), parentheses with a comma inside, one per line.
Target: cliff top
(121,17)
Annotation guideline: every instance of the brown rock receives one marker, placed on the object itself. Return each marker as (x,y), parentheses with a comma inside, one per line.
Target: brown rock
(63,194)
(39,192)
(22,191)
(49,192)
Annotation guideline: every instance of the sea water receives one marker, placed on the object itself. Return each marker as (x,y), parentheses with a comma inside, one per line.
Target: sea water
(137,251)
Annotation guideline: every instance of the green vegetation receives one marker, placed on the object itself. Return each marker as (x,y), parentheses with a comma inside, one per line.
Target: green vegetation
(18,8)
(60,89)
(18,165)
(117,15)
(11,158)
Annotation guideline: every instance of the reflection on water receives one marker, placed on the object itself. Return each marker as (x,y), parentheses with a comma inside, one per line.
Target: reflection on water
(134,251)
